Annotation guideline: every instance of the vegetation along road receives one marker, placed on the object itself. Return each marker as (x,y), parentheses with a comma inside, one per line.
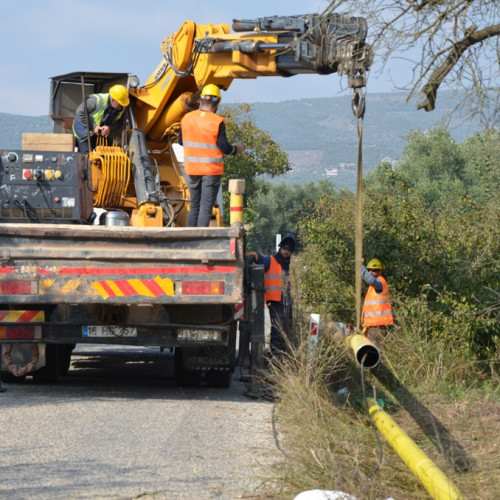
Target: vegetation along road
(118,427)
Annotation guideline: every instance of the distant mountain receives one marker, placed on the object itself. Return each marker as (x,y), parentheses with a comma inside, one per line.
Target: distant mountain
(319,135)
(13,126)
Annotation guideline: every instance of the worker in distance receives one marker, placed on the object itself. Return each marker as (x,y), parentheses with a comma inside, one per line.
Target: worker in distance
(377,308)
(278,295)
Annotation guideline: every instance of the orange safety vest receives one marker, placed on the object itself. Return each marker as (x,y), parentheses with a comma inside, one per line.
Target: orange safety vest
(202,156)
(377,308)
(272,281)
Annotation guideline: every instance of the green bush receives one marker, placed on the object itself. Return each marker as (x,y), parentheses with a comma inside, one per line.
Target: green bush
(441,251)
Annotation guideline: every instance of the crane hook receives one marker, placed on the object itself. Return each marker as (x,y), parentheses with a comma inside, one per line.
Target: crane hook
(358,103)
(358,98)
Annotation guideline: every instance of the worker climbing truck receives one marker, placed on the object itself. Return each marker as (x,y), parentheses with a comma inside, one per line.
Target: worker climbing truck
(94,248)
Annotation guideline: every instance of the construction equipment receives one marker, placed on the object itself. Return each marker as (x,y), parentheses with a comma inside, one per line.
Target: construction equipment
(95,248)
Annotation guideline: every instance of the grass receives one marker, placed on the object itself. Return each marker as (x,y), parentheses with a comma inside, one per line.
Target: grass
(328,442)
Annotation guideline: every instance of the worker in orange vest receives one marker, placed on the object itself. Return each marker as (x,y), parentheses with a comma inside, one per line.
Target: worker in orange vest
(377,308)
(203,135)
(278,294)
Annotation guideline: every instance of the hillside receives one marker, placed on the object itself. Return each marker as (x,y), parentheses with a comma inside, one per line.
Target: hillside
(321,134)
(317,134)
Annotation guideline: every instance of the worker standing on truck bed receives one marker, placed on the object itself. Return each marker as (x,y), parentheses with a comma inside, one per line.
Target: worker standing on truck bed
(106,113)
(203,135)
(278,293)
(377,308)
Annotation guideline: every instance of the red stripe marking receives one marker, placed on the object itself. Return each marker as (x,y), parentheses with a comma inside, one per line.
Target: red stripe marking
(107,289)
(236,209)
(7,270)
(125,287)
(26,316)
(154,287)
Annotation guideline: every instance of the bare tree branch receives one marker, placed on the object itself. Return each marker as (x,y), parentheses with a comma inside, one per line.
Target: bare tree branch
(439,74)
(452,43)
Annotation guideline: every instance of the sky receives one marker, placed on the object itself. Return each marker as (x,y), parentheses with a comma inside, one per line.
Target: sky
(45,38)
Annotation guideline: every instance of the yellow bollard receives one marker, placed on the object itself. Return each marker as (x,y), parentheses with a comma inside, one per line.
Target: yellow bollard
(432,478)
(236,191)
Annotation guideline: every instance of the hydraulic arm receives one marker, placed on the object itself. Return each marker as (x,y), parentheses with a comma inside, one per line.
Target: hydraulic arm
(270,46)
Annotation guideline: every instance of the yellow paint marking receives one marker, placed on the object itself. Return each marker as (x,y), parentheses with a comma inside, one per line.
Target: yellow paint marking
(100,290)
(141,288)
(71,286)
(166,285)
(115,288)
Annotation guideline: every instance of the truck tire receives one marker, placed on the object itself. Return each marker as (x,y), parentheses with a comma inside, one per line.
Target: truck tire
(16,373)
(219,379)
(183,377)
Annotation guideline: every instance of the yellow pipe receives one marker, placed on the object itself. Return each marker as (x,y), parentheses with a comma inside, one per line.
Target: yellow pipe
(364,348)
(432,478)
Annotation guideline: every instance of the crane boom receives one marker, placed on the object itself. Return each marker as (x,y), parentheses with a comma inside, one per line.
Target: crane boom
(284,46)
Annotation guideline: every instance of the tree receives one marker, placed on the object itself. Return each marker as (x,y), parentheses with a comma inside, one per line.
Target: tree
(261,156)
(432,165)
(453,42)
(278,208)
(441,171)
(441,251)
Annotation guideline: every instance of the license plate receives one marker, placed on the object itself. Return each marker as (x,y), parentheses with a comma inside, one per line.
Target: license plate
(109,331)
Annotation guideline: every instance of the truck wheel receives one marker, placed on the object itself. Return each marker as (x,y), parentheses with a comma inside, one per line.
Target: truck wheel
(52,369)
(219,379)
(183,377)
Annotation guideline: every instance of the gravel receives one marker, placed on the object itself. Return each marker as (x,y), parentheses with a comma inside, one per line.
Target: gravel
(117,427)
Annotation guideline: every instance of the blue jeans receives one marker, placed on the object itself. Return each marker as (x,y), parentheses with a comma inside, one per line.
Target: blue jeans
(203,190)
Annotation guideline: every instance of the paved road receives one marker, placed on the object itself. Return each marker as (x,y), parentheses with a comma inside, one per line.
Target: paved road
(117,427)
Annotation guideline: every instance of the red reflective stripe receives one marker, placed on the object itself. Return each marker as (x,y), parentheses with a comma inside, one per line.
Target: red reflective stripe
(7,270)
(125,287)
(107,288)
(24,316)
(236,209)
(153,287)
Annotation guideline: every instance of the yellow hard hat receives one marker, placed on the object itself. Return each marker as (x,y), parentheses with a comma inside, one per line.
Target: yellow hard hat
(120,94)
(211,92)
(375,264)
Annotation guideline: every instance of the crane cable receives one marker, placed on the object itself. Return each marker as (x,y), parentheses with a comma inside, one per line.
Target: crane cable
(358,108)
